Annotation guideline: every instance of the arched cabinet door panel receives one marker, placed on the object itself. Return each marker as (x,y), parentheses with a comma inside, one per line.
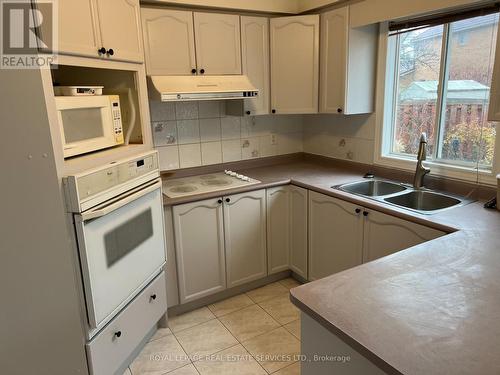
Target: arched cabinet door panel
(164,31)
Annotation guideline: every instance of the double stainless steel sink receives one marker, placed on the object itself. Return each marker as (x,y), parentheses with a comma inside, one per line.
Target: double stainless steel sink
(423,201)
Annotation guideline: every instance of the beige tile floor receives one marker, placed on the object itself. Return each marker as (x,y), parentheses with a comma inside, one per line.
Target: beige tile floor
(253,333)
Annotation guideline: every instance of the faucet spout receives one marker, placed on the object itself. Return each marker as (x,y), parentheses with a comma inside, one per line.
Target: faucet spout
(421,171)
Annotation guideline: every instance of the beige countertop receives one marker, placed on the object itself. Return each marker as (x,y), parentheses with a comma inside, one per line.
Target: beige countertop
(430,309)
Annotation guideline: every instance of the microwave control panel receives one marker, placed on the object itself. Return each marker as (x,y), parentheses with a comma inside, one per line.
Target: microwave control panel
(118,174)
(117,120)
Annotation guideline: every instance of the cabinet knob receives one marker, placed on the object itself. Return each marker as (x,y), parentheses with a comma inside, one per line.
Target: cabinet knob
(101,51)
(110,52)
(247,112)
(273,111)
(153,296)
(219,201)
(193,71)
(202,71)
(118,333)
(358,210)
(339,110)
(228,200)
(365,213)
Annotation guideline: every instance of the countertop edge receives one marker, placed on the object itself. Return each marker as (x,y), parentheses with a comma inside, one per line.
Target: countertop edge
(364,351)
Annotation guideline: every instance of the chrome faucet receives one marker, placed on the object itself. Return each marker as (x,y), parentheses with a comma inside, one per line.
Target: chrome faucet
(421,171)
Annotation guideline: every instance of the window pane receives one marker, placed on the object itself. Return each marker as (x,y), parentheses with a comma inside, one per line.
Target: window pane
(419,63)
(467,137)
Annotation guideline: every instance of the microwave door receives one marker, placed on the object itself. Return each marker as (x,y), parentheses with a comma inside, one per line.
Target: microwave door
(121,247)
(86,124)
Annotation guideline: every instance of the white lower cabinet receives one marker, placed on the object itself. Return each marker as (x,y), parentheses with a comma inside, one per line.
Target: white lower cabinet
(245,237)
(343,235)
(335,235)
(385,234)
(199,244)
(287,229)
(298,231)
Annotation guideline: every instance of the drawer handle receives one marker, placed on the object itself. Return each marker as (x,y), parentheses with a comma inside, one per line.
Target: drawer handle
(153,297)
(118,333)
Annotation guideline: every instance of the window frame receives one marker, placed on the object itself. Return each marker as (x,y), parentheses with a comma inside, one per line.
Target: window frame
(384,120)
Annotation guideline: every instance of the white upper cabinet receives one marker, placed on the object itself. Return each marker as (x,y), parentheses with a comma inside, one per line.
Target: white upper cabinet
(294,64)
(101,28)
(199,244)
(217,42)
(348,65)
(255,62)
(245,237)
(84,39)
(119,24)
(165,31)
(385,234)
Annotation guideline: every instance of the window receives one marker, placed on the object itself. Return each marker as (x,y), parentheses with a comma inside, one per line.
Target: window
(439,83)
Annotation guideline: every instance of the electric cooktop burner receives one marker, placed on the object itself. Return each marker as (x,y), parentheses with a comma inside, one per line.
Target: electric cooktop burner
(181,187)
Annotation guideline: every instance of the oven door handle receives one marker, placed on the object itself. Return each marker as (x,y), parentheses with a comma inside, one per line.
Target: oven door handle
(130,196)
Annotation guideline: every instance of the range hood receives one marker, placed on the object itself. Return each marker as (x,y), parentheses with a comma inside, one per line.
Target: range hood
(189,88)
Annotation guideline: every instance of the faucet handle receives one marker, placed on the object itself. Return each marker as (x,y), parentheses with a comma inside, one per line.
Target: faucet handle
(423,137)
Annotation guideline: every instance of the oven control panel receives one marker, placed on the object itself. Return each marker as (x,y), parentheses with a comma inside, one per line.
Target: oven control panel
(125,174)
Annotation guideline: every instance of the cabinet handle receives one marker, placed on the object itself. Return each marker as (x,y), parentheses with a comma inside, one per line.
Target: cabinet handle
(273,111)
(247,112)
(101,51)
(228,200)
(339,110)
(193,71)
(365,213)
(118,333)
(110,52)
(358,210)
(219,201)
(153,297)
(202,71)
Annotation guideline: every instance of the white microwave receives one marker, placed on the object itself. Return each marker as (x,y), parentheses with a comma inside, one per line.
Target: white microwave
(89,123)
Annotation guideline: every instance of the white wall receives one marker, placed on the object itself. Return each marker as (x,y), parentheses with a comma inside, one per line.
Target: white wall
(341,137)
(191,134)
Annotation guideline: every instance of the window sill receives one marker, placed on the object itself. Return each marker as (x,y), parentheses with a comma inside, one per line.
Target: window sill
(484,177)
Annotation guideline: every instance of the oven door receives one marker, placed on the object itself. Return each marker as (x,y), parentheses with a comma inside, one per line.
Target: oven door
(86,123)
(122,248)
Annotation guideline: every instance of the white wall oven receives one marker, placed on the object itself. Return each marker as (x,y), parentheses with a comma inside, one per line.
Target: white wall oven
(118,218)
(89,123)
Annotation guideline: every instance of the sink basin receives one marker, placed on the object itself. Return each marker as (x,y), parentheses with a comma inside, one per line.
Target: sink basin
(373,188)
(423,200)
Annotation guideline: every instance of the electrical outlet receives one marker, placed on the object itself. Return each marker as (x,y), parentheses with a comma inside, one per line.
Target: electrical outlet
(274,139)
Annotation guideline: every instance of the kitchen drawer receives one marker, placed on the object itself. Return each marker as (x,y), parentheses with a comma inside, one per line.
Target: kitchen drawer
(110,348)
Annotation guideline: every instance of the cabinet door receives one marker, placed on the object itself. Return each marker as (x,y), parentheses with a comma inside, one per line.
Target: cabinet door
(245,235)
(335,235)
(294,64)
(385,234)
(334,44)
(199,245)
(255,61)
(119,26)
(78,33)
(278,229)
(298,230)
(164,31)
(217,39)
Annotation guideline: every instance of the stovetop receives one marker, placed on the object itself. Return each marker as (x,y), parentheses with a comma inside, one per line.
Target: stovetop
(182,187)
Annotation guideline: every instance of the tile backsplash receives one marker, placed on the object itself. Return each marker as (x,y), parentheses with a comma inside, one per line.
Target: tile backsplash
(191,134)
